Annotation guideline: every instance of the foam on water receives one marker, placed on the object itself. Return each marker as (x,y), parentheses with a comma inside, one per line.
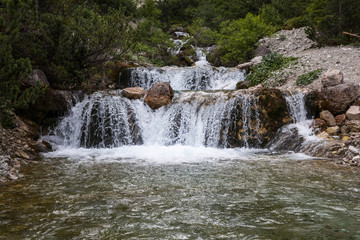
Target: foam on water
(154,154)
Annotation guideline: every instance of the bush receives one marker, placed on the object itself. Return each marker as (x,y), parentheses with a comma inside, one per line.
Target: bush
(264,70)
(239,38)
(308,78)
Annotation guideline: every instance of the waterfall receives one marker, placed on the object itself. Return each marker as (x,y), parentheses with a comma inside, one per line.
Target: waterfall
(190,78)
(107,120)
(296,106)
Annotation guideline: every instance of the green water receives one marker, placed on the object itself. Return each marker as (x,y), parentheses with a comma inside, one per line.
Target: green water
(265,197)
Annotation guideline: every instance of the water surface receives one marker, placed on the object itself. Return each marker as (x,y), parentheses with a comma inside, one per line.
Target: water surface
(234,194)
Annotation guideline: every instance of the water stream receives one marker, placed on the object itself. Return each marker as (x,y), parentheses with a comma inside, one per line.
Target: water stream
(121,170)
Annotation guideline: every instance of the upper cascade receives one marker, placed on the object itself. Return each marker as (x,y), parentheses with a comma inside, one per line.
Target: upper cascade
(180,78)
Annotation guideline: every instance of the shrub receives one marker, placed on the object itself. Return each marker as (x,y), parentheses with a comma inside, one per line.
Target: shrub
(264,70)
(239,38)
(308,78)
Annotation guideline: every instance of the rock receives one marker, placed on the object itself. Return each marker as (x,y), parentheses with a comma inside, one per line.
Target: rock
(340,119)
(344,129)
(37,75)
(133,93)
(356,158)
(338,98)
(353,125)
(245,66)
(354,150)
(160,94)
(319,124)
(256,60)
(22,154)
(323,135)
(345,138)
(328,117)
(333,77)
(353,113)
(262,50)
(333,130)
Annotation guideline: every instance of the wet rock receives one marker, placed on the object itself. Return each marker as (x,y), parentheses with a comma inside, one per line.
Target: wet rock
(333,130)
(37,77)
(328,117)
(340,119)
(353,113)
(319,124)
(337,99)
(160,94)
(242,85)
(333,77)
(22,154)
(133,92)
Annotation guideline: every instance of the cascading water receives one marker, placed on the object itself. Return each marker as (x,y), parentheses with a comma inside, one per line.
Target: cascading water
(189,78)
(295,135)
(106,120)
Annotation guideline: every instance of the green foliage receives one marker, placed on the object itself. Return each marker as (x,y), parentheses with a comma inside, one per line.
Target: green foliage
(239,37)
(308,78)
(269,64)
(202,36)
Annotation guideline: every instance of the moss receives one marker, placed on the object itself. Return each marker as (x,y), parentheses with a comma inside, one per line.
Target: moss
(308,78)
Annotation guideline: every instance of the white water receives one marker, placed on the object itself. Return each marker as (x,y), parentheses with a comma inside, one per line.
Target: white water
(189,78)
(198,119)
(296,105)
(201,55)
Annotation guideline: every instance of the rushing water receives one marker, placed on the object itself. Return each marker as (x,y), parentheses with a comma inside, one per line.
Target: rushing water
(181,192)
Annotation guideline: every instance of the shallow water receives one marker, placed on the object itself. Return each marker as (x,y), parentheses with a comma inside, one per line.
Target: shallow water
(202,194)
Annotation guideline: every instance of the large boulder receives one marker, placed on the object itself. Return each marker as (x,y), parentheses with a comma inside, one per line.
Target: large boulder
(333,77)
(337,99)
(160,94)
(133,92)
(36,77)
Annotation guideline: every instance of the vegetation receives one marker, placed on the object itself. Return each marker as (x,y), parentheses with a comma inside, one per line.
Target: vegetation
(308,78)
(269,64)
(72,40)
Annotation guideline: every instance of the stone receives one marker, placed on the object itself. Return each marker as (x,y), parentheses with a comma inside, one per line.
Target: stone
(354,150)
(319,124)
(160,94)
(353,125)
(245,66)
(36,76)
(22,154)
(340,119)
(256,60)
(323,135)
(333,130)
(344,129)
(333,77)
(242,85)
(346,138)
(133,92)
(353,113)
(328,117)
(356,158)
(337,99)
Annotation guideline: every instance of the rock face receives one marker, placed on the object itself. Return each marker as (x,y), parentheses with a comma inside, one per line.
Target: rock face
(133,93)
(353,113)
(36,76)
(160,94)
(331,78)
(337,98)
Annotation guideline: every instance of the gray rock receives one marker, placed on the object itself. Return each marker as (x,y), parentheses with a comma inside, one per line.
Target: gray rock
(328,117)
(333,77)
(353,113)
(354,150)
(37,75)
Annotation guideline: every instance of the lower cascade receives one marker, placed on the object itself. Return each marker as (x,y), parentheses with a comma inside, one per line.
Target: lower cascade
(219,119)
